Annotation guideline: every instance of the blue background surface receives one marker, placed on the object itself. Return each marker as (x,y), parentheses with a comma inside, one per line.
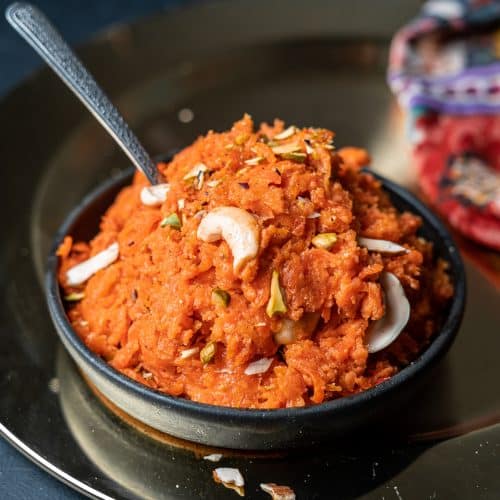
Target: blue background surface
(77,20)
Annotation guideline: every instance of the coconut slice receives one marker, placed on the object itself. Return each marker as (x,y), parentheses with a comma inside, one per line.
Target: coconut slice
(230,478)
(386,330)
(277,491)
(259,366)
(382,246)
(154,195)
(83,271)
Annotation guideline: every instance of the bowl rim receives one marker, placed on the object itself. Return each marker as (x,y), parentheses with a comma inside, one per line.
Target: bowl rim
(212,413)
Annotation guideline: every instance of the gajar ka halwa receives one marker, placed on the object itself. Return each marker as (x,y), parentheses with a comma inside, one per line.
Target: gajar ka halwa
(253,276)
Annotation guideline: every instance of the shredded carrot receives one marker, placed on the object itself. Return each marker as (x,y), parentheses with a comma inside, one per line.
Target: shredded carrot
(157,301)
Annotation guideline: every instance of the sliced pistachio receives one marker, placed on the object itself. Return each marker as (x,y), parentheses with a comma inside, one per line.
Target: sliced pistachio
(208,352)
(285,134)
(74,297)
(172,220)
(220,297)
(324,240)
(241,139)
(297,156)
(254,161)
(276,303)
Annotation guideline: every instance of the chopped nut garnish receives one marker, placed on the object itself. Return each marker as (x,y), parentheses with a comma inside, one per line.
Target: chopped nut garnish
(208,352)
(213,457)
(214,183)
(286,148)
(324,240)
(276,303)
(314,215)
(74,297)
(278,492)
(220,297)
(230,478)
(259,366)
(181,203)
(195,171)
(187,353)
(285,134)
(147,375)
(242,171)
(241,139)
(294,156)
(83,271)
(172,220)
(154,195)
(254,161)
(382,246)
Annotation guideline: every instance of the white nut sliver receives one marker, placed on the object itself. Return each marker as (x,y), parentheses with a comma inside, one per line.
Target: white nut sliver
(278,492)
(291,330)
(237,227)
(83,271)
(259,366)
(188,353)
(195,171)
(230,478)
(285,134)
(382,246)
(386,330)
(154,195)
(213,457)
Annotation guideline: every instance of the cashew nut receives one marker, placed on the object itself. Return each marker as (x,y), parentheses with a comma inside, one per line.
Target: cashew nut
(292,331)
(154,195)
(386,330)
(237,227)
(83,271)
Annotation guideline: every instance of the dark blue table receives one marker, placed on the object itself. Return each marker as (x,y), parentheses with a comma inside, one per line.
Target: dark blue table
(78,20)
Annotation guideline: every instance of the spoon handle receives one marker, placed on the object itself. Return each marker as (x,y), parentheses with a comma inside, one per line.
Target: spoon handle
(39,32)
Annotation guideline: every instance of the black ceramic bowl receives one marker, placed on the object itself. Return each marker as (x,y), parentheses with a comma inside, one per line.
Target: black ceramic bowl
(253,429)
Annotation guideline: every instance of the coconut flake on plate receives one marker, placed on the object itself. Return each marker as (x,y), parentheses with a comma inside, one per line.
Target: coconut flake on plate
(259,366)
(231,478)
(213,457)
(277,491)
(382,246)
(154,195)
(82,272)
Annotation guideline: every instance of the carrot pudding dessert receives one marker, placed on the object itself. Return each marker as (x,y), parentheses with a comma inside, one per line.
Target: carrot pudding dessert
(266,271)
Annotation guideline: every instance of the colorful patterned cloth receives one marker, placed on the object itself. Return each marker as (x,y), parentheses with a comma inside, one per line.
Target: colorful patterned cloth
(445,69)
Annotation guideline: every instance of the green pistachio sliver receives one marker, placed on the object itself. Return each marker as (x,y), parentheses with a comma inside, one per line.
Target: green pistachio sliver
(172,220)
(295,156)
(74,296)
(276,302)
(208,352)
(220,297)
(324,240)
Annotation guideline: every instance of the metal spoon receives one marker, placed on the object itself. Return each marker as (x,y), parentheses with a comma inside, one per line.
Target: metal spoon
(38,31)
